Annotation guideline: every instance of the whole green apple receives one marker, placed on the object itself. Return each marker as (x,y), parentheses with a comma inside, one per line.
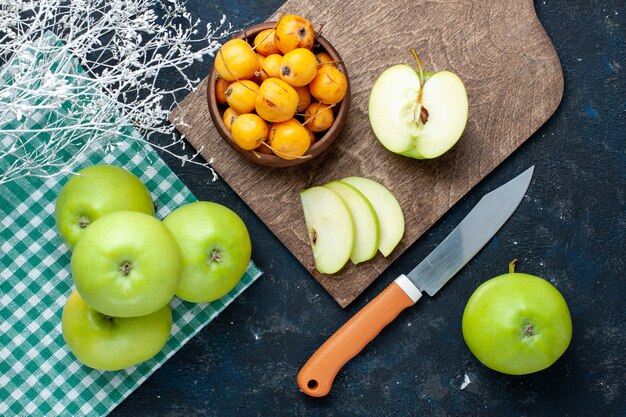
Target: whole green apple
(215,249)
(126,264)
(94,192)
(112,343)
(517,323)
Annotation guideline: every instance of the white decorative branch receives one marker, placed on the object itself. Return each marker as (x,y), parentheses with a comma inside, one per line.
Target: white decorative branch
(51,115)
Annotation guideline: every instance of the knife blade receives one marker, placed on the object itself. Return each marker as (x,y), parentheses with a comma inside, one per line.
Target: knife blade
(462,244)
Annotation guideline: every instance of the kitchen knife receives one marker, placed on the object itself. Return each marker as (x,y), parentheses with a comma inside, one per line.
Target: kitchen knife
(475,230)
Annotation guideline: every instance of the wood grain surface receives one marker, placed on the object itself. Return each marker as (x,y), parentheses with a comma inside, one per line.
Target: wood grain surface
(514,82)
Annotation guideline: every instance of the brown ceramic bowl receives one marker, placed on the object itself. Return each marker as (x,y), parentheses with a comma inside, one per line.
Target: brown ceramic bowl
(323,139)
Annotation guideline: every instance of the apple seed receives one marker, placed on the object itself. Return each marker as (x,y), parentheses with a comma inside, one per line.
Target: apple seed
(424,114)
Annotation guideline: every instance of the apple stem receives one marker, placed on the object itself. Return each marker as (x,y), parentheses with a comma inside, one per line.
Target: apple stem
(126,267)
(512,266)
(420,113)
(529,330)
(420,70)
(83,222)
(216,256)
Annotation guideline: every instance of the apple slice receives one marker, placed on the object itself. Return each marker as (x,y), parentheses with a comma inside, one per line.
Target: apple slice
(419,124)
(330,228)
(366,226)
(387,209)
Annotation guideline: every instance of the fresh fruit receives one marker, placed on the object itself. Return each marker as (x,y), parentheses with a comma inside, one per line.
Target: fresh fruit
(264,42)
(289,139)
(330,228)
(323,58)
(298,67)
(416,114)
(286,76)
(304,98)
(264,148)
(271,67)
(366,226)
(311,136)
(126,264)
(241,96)
(229,117)
(276,101)
(319,117)
(112,343)
(376,218)
(249,130)
(257,78)
(294,32)
(517,323)
(93,192)
(221,86)
(329,85)
(236,60)
(387,209)
(215,247)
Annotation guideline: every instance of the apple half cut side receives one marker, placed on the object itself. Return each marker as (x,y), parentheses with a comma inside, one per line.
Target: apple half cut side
(330,228)
(366,225)
(388,210)
(398,123)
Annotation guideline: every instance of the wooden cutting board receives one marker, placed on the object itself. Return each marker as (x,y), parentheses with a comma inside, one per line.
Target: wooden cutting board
(514,82)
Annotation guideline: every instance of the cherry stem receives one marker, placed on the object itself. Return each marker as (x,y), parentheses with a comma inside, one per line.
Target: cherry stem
(226,66)
(512,266)
(272,30)
(317,113)
(319,31)
(277,152)
(333,62)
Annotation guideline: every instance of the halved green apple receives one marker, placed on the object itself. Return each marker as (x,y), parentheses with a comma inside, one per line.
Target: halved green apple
(366,226)
(388,210)
(330,228)
(418,118)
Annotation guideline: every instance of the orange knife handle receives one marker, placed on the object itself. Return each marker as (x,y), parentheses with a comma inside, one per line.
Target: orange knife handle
(317,375)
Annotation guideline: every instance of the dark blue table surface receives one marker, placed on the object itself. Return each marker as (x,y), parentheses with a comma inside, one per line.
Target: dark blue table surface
(569,229)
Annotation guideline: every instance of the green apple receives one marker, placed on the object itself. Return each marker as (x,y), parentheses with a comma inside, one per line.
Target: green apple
(330,228)
(387,210)
(126,264)
(112,343)
(366,226)
(517,323)
(215,249)
(94,192)
(415,114)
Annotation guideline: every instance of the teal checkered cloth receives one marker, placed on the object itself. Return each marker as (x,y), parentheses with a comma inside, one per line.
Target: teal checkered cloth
(39,376)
